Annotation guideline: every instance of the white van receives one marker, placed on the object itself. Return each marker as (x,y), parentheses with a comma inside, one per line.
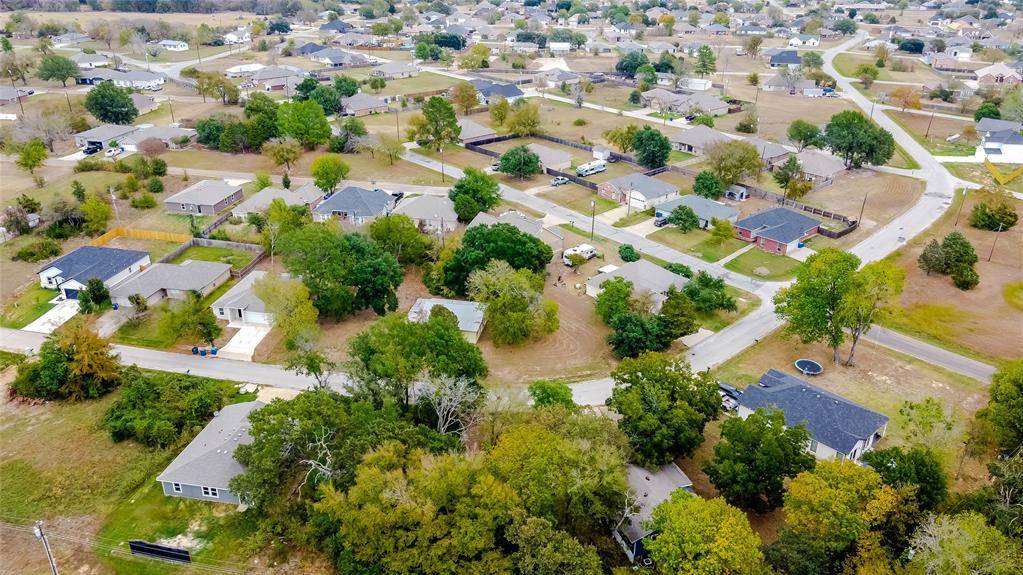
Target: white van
(585,250)
(590,168)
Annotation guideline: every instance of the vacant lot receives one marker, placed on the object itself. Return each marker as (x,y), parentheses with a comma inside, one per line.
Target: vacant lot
(237,258)
(847,62)
(757,263)
(931,132)
(881,380)
(578,198)
(612,95)
(776,110)
(979,173)
(698,243)
(979,322)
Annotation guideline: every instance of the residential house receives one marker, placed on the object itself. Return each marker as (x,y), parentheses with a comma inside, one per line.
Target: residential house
(986,125)
(998,74)
(338,58)
(204,198)
(790,83)
(144,104)
(786,58)
(137,79)
(637,190)
(354,39)
(205,467)
(362,104)
(473,132)
(770,152)
(89,61)
(173,45)
(550,158)
(72,271)
(307,195)
(336,26)
(661,99)
(69,39)
(240,35)
(751,30)
(646,277)
(697,102)
(396,70)
(804,41)
(471,315)
(558,78)
(651,488)
(559,48)
(818,167)
(658,48)
(171,281)
(241,306)
(777,230)
(1003,147)
(103,135)
(839,428)
(716,29)
(242,70)
(171,137)
(354,205)
(523,223)
(706,210)
(12,95)
(431,214)
(488,92)
(308,49)
(270,74)
(697,139)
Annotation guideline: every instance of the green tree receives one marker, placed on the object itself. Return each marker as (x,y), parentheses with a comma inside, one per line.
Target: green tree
(635,333)
(629,63)
(684,218)
(111,104)
(97,214)
(754,458)
(328,170)
(614,299)
(918,467)
(515,311)
(436,128)
(857,140)
(708,185)
(964,544)
(733,160)
(32,155)
(876,288)
(543,550)
(1005,407)
(74,363)
(812,306)
(304,121)
(59,68)
(622,137)
(327,97)
(812,60)
(524,119)
(484,243)
(677,316)
(376,83)
(94,297)
(788,171)
(520,162)
(190,318)
(652,147)
(346,86)
(478,186)
(663,406)
(932,259)
(499,111)
(464,94)
(706,63)
(703,537)
(545,393)
(288,302)
(996,216)
(398,235)
(803,134)
(259,104)
(987,110)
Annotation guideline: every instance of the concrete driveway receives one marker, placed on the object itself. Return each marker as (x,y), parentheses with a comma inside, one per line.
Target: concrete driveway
(644,228)
(243,345)
(79,155)
(56,317)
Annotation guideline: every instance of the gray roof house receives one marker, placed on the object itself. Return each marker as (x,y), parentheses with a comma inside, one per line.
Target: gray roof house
(432,214)
(638,190)
(473,132)
(205,467)
(470,315)
(777,230)
(362,104)
(550,157)
(488,90)
(307,195)
(172,281)
(239,305)
(72,271)
(819,167)
(103,135)
(838,427)
(523,223)
(395,70)
(354,205)
(770,152)
(651,488)
(995,125)
(204,198)
(166,134)
(697,140)
(645,276)
(704,208)
(789,58)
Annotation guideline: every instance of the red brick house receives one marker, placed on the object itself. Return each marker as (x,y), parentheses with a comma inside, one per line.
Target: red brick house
(777,230)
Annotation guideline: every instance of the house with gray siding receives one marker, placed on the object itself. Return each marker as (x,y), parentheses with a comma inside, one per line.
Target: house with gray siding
(172,281)
(706,210)
(205,467)
(205,198)
(354,205)
(71,272)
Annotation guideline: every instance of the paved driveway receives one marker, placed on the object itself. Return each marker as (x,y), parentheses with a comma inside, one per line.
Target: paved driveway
(243,345)
(56,317)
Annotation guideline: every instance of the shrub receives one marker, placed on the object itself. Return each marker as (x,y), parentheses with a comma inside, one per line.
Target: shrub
(993,217)
(965,277)
(154,185)
(38,251)
(579,122)
(680,269)
(158,166)
(628,253)
(91,165)
(143,201)
(220,235)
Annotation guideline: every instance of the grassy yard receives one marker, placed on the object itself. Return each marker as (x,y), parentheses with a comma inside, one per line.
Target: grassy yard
(846,64)
(146,332)
(424,82)
(634,218)
(978,173)
(757,263)
(697,242)
(676,156)
(577,199)
(612,96)
(27,307)
(932,132)
(237,258)
(719,320)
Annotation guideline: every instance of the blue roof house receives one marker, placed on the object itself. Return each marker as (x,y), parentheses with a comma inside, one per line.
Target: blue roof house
(490,92)
(71,272)
(838,427)
(788,58)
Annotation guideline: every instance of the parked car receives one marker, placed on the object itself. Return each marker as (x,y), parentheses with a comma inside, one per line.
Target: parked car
(91,149)
(559,180)
(660,221)
(111,152)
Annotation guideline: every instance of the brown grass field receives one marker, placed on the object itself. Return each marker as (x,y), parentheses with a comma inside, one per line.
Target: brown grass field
(776,110)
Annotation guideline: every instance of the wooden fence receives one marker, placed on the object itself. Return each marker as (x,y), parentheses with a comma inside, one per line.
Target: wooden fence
(205,242)
(134,233)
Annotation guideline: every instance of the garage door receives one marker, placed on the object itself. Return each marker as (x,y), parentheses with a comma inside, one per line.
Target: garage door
(70,293)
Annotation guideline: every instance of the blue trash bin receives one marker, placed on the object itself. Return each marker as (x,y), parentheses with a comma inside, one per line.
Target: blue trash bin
(202,352)
(213,351)
(195,350)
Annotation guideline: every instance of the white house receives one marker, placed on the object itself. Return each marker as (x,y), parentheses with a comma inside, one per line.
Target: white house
(239,36)
(1001,147)
(241,306)
(471,315)
(71,272)
(173,45)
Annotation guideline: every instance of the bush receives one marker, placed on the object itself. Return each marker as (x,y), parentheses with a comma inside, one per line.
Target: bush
(154,185)
(143,201)
(158,167)
(38,251)
(62,230)
(628,253)
(579,122)
(965,277)
(680,269)
(997,217)
(154,408)
(220,235)
(91,165)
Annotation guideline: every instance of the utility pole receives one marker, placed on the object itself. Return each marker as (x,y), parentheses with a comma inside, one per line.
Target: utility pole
(38,530)
(863,206)
(66,97)
(994,243)
(593,217)
(17,95)
(928,133)
(171,104)
(963,203)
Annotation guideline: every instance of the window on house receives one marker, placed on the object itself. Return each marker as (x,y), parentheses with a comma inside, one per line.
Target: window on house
(176,487)
(210,492)
(813,446)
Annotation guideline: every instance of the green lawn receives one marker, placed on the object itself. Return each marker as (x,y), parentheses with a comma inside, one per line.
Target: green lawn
(678,156)
(27,307)
(778,267)
(8,359)
(237,258)
(936,146)
(578,198)
(719,320)
(697,242)
(145,332)
(634,218)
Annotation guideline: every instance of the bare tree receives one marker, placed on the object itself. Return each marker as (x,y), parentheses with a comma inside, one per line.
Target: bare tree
(455,400)
(272,231)
(321,459)
(50,126)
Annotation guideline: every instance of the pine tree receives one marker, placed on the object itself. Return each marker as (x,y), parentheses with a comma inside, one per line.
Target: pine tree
(932,259)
